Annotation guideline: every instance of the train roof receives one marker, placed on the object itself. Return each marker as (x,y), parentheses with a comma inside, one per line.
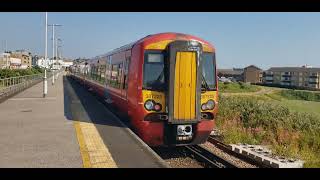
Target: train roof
(122,48)
(174,35)
(151,36)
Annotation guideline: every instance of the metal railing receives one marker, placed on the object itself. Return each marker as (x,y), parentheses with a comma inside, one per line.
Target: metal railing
(9,86)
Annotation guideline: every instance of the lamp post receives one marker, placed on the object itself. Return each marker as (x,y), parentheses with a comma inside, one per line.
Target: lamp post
(45,86)
(53,50)
(59,54)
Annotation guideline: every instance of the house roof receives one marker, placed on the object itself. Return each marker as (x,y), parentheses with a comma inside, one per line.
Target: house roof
(253,67)
(293,69)
(230,71)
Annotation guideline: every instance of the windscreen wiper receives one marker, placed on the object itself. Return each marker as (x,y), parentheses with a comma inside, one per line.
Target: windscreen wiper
(206,86)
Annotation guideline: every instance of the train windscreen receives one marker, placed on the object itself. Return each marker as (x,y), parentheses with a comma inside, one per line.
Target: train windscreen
(208,72)
(153,73)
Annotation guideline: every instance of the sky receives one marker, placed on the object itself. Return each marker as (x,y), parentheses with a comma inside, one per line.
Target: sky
(241,39)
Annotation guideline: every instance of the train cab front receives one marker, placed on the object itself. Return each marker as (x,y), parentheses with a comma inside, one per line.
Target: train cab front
(179,94)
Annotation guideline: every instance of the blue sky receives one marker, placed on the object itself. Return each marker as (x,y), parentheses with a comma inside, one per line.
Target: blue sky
(241,39)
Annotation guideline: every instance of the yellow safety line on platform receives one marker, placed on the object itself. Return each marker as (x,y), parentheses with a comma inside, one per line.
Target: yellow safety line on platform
(83,148)
(94,152)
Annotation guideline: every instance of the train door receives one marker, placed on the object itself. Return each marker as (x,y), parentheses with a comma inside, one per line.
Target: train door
(185,85)
(184,82)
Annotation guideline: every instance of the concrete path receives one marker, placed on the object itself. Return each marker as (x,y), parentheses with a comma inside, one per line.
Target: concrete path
(34,132)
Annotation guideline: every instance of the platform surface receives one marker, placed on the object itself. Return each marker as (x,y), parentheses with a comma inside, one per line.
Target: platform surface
(68,128)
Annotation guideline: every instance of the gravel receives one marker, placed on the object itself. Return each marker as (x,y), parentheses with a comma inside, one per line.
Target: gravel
(177,158)
(224,155)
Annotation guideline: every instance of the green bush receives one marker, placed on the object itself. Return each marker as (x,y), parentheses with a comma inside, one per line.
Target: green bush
(6,73)
(300,95)
(252,120)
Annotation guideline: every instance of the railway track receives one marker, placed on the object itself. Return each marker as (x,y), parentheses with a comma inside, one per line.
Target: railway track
(207,158)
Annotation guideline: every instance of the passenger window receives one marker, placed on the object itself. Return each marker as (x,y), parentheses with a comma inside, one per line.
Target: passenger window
(108,68)
(102,74)
(93,72)
(114,75)
(120,71)
(126,71)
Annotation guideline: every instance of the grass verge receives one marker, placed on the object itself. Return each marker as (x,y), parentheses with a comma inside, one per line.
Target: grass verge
(255,121)
(237,87)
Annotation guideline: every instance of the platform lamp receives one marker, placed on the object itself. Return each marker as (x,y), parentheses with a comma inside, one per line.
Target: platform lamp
(45,84)
(53,49)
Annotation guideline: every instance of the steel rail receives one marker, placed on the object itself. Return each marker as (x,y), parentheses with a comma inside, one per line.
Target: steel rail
(207,157)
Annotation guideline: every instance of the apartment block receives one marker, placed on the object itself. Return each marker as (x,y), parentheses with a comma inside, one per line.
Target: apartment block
(252,74)
(235,73)
(249,74)
(25,56)
(293,76)
(4,60)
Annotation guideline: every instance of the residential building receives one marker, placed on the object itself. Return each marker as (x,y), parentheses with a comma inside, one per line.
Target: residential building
(249,74)
(15,63)
(4,60)
(252,74)
(235,73)
(25,56)
(42,63)
(293,76)
(35,60)
(67,63)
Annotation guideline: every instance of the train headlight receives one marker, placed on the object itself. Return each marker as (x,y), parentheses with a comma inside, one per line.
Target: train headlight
(210,104)
(149,105)
(157,107)
(204,107)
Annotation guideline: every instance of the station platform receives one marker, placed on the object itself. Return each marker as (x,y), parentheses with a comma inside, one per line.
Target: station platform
(68,128)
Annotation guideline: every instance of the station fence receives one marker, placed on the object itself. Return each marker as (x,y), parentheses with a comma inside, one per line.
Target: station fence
(12,85)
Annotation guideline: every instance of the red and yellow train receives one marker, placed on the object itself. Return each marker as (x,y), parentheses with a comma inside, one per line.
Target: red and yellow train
(165,83)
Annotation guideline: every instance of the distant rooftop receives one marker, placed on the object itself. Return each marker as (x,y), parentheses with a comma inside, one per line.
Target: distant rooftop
(253,67)
(234,71)
(303,68)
